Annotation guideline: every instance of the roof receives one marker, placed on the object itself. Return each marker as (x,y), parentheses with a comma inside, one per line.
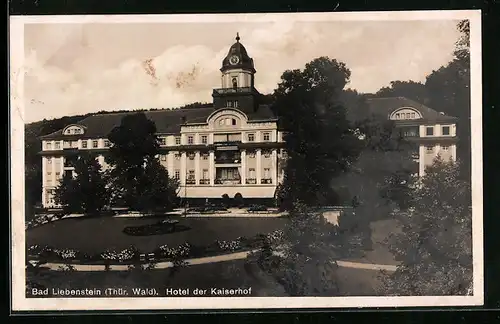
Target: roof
(386,106)
(166,121)
(237,49)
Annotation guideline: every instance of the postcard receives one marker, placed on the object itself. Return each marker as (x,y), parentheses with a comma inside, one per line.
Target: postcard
(246,161)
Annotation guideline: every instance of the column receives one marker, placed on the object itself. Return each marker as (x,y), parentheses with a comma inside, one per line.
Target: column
(183,168)
(243,167)
(421,160)
(211,170)
(44,176)
(274,167)
(197,167)
(453,149)
(258,167)
(170,164)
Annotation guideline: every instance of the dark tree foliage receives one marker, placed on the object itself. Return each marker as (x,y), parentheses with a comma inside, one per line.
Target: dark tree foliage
(409,89)
(87,192)
(132,157)
(303,262)
(435,244)
(319,139)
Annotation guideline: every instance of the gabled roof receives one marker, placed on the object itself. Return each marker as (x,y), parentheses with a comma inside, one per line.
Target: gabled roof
(166,121)
(386,106)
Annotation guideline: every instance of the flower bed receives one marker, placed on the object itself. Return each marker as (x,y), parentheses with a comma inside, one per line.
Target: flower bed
(162,253)
(162,227)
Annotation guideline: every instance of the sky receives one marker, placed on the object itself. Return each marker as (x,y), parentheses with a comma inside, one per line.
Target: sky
(79,68)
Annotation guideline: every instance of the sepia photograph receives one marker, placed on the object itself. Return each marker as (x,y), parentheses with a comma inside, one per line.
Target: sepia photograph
(244,161)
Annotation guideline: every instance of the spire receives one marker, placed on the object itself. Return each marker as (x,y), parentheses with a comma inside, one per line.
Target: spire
(237,37)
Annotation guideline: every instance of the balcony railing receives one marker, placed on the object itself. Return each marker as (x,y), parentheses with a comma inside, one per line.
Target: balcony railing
(226,143)
(190,181)
(227,181)
(232,90)
(205,181)
(251,181)
(228,161)
(266,181)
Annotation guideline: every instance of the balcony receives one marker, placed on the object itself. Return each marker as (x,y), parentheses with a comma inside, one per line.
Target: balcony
(266,181)
(227,181)
(227,158)
(190,181)
(204,181)
(251,181)
(224,91)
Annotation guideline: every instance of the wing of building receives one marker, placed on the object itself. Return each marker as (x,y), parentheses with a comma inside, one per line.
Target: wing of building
(434,132)
(232,147)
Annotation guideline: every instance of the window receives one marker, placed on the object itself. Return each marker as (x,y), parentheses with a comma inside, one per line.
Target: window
(58,145)
(429,131)
(267,172)
(95,143)
(397,116)
(177,140)
(163,141)
(445,148)
(429,149)
(251,155)
(191,156)
(233,122)
(49,161)
(408,115)
(236,104)
(267,154)
(204,139)
(251,173)
(163,157)
(266,137)
(413,115)
(84,144)
(446,130)
(251,137)
(190,139)
(177,156)
(235,83)
(205,156)
(191,175)
(48,146)
(204,174)
(106,143)
(177,174)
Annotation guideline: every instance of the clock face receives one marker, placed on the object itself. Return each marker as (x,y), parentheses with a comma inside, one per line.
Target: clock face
(234,59)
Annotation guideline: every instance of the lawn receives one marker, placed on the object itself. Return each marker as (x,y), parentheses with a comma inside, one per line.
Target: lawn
(94,235)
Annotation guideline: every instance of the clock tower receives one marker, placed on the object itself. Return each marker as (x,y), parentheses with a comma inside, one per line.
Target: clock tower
(237,80)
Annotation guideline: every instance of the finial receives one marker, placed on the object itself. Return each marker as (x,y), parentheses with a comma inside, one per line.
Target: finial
(237,37)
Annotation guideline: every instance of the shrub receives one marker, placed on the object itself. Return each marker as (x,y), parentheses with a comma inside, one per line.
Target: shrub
(226,200)
(238,200)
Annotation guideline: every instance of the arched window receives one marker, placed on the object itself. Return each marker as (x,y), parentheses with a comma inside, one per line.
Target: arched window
(233,121)
(235,83)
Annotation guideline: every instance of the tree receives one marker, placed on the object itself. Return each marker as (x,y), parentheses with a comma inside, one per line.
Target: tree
(435,245)
(132,156)
(449,90)
(409,89)
(320,144)
(381,179)
(87,192)
(238,200)
(159,190)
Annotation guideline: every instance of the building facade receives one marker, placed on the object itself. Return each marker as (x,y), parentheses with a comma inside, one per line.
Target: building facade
(433,132)
(234,145)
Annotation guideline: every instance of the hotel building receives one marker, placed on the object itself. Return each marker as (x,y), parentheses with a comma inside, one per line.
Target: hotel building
(233,146)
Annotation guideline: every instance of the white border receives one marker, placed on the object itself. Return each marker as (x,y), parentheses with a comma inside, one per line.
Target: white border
(21,303)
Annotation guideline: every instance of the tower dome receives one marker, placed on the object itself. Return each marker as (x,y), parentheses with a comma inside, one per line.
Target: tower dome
(237,58)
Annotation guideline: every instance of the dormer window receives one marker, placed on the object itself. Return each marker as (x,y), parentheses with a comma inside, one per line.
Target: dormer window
(235,83)
(73,130)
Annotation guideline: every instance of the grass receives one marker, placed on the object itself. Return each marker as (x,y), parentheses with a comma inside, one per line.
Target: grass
(94,235)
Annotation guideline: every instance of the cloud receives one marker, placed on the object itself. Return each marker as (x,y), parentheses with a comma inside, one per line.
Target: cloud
(90,80)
